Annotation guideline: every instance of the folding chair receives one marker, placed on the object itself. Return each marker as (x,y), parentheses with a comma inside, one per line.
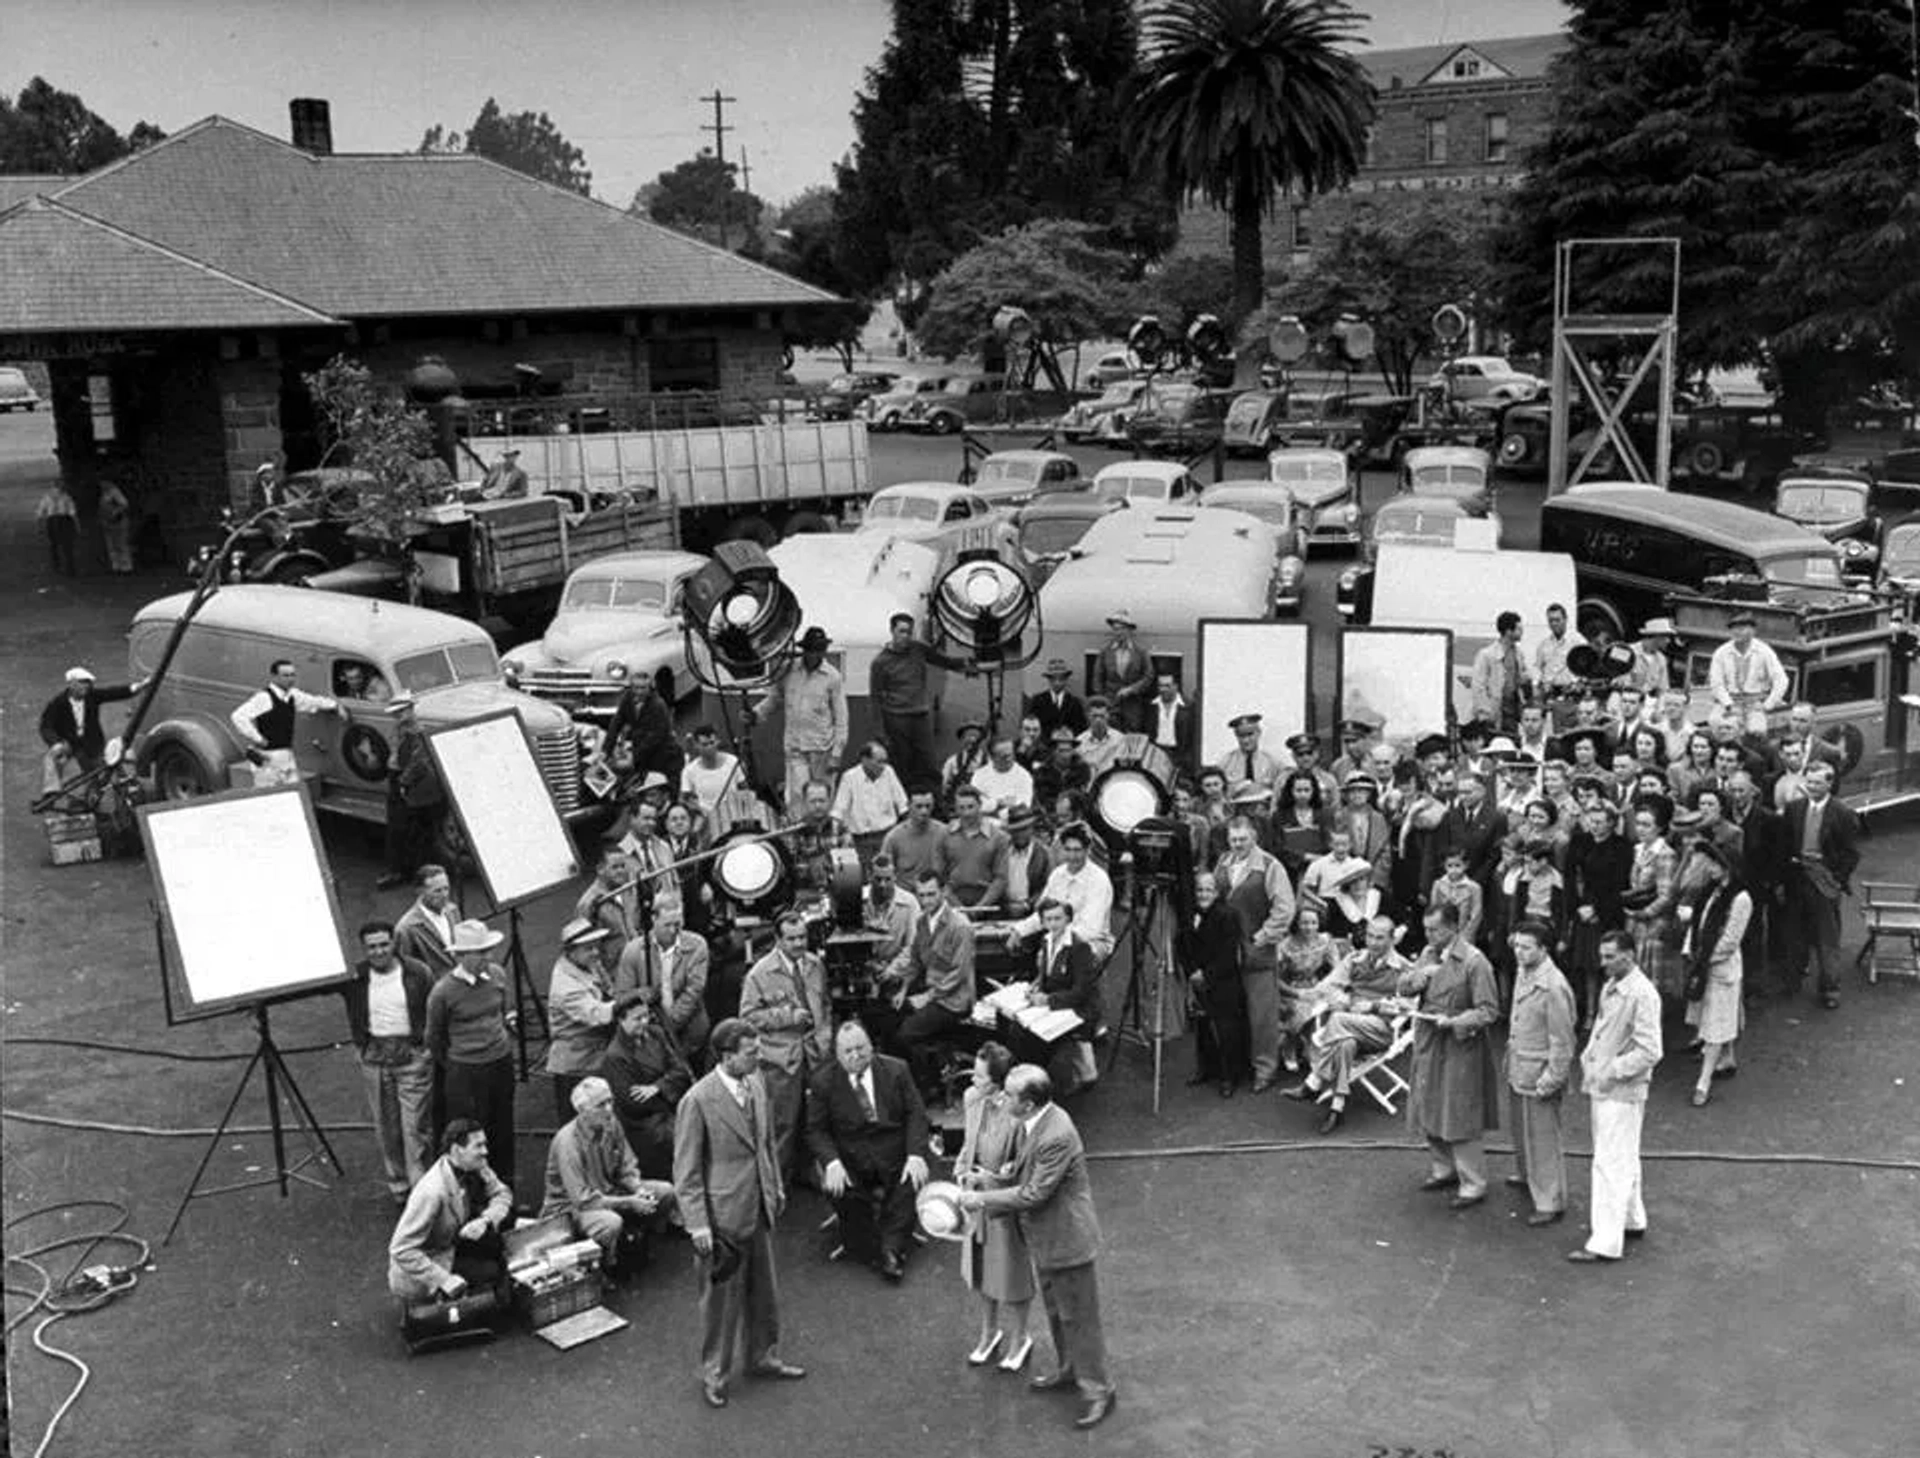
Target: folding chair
(1376,1073)
(1891,910)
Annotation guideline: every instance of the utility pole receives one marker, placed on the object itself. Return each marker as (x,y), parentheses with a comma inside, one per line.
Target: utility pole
(719,128)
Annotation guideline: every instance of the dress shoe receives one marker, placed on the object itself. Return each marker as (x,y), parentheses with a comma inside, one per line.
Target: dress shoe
(715,1393)
(1226,1088)
(1467,1202)
(892,1267)
(1701,1097)
(1261,1085)
(1830,1000)
(1585,1257)
(983,1354)
(1546,1217)
(1299,1093)
(1439,1182)
(1725,1072)
(1096,1411)
(774,1367)
(1017,1358)
(1640,1234)
(1515,1182)
(1061,1381)
(1335,1118)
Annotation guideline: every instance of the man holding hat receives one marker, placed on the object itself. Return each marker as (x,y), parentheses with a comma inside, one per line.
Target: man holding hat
(70,726)
(1745,677)
(415,800)
(1054,706)
(813,734)
(1123,673)
(1247,762)
(579,1010)
(470,1016)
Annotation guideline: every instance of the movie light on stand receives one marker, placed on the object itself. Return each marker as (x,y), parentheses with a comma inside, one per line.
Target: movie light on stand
(984,617)
(743,615)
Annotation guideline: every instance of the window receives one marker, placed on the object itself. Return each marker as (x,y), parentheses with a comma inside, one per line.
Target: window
(1843,683)
(355,678)
(1466,68)
(1497,136)
(100,406)
(1302,229)
(683,364)
(1436,141)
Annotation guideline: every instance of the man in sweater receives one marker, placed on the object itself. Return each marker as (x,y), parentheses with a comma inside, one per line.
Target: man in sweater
(1616,1068)
(265,723)
(897,682)
(470,1017)
(387,1020)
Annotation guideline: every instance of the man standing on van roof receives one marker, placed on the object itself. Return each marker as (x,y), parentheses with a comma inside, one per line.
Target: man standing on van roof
(1123,673)
(265,722)
(1745,676)
(897,681)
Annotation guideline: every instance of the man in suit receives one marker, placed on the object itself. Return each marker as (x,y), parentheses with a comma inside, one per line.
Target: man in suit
(1054,706)
(1763,871)
(1247,763)
(424,932)
(1053,1201)
(727,1182)
(937,996)
(1822,840)
(1255,888)
(867,1128)
(649,1077)
(70,726)
(784,1001)
(1475,827)
(670,965)
(1123,673)
(1170,722)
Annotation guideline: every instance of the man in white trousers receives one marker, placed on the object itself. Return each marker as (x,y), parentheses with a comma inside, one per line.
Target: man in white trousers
(1616,1067)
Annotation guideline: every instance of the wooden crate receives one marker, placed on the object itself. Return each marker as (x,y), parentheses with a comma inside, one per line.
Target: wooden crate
(72,839)
(577,1290)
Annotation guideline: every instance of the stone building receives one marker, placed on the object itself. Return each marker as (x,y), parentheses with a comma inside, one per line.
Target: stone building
(177,297)
(1452,119)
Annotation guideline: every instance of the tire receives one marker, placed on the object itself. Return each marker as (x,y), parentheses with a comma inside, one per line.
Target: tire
(888,422)
(942,425)
(178,774)
(1597,618)
(755,529)
(808,523)
(1515,449)
(1704,458)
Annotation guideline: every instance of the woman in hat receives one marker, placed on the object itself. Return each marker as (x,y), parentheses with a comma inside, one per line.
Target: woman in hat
(1214,955)
(1716,919)
(1649,900)
(1369,835)
(994,1260)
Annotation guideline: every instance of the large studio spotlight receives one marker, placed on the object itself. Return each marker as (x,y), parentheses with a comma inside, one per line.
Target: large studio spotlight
(1015,325)
(982,608)
(1148,340)
(742,613)
(751,872)
(1206,338)
(1135,787)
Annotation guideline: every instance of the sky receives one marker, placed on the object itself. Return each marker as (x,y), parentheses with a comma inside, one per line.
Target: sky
(622,79)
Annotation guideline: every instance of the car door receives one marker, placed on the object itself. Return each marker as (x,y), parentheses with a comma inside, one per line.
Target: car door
(346,755)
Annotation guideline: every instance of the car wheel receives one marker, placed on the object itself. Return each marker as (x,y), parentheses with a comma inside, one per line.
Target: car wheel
(1514,449)
(889,421)
(178,774)
(1704,458)
(755,529)
(942,425)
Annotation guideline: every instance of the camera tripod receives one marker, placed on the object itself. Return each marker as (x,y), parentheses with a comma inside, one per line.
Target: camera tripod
(1152,929)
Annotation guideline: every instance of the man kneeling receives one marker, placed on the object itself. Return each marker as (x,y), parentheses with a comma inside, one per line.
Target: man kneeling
(448,1238)
(868,1127)
(593,1178)
(1352,994)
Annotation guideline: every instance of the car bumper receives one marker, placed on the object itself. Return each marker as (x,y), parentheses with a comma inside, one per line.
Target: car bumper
(580,694)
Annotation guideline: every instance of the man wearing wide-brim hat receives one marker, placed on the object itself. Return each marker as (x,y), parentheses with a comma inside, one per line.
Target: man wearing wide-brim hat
(1056,706)
(1123,673)
(470,1019)
(580,997)
(812,698)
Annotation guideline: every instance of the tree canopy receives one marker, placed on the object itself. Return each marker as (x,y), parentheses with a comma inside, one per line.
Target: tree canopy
(987,116)
(45,130)
(526,141)
(374,430)
(801,243)
(1072,286)
(1771,138)
(702,196)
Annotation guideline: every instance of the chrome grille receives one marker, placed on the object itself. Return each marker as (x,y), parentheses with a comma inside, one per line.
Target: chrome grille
(575,691)
(558,751)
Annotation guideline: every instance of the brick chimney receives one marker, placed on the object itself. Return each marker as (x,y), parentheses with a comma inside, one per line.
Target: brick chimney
(312,125)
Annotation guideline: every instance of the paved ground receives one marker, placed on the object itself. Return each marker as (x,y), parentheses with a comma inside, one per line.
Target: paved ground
(1267,1292)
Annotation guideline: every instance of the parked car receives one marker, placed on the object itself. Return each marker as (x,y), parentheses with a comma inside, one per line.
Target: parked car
(1460,471)
(619,621)
(844,394)
(1183,419)
(448,664)
(1899,562)
(1051,526)
(1008,478)
(1484,377)
(918,510)
(1406,521)
(16,391)
(1839,508)
(1110,369)
(1272,504)
(1325,486)
(888,410)
(963,400)
(1083,421)
(1253,421)
(1147,483)
(1746,443)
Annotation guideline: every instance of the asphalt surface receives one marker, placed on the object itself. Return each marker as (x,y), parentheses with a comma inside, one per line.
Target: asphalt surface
(1265,1291)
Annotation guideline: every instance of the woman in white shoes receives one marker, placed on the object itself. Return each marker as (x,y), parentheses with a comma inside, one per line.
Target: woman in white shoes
(994,1261)
(1716,920)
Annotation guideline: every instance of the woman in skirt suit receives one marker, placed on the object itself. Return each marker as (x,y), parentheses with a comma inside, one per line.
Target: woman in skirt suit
(994,1260)
(1716,921)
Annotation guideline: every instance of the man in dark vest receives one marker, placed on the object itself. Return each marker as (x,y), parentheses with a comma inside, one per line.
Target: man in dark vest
(265,723)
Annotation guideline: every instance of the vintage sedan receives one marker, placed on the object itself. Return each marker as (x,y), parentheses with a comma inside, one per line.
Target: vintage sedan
(888,410)
(1253,422)
(619,621)
(1084,420)
(1485,377)
(1420,521)
(1147,483)
(1273,505)
(1010,478)
(1325,486)
(1899,562)
(1181,419)
(1051,526)
(1838,507)
(844,394)
(932,512)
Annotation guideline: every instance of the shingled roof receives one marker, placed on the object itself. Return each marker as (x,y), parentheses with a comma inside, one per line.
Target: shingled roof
(371,236)
(1522,57)
(62,271)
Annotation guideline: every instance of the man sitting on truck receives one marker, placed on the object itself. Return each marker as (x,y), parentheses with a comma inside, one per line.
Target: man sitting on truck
(1745,676)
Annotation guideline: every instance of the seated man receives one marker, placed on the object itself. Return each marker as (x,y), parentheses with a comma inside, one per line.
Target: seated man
(867,1127)
(448,1238)
(937,996)
(649,1076)
(1354,995)
(593,1177)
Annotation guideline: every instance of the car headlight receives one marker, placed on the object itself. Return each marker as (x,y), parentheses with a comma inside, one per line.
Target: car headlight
(1852,547)
(1349,579)
(616,670)
(1348,513)
(511,669)
(1290,570)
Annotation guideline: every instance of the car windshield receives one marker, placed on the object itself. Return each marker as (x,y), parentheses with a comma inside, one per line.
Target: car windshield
(903,508)
(1275,512)
(618,592)
(1803,569)
(1288,471)
(1248,410)
(1039,538)
(456,663)
(1825,501)
(1421,524)
(1426,478)
(1135,488)
(1123,394)
(991,471)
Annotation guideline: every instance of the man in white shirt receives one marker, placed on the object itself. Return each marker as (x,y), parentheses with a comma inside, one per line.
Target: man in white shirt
(710,778)
(1084,887)
(1170,722)
(1099,746)
(812,698)
(1745,676)
(266,722)
(1003,782)
(870,799)
(1550,669)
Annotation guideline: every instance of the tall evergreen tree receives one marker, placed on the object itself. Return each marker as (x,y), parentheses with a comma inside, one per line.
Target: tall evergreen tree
(47,130)
(526,141)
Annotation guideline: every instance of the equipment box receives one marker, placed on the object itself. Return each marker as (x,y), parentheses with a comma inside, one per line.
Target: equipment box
(72,839)
(552,1274)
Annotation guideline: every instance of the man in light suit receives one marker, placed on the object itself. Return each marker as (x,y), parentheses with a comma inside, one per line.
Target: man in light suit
(424,932)
(1050,1195)
(727,1182)
(1123,673)
(867,1127)
(784,1000)
(1821,837)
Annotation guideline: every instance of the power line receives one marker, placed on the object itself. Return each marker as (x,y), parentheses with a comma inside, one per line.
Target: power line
(719,126)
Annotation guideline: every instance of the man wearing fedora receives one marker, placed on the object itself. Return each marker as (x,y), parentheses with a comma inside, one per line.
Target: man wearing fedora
(1123,673)
(728,1183)
(70,726)
(469,1021)
(1050,1194)
(580,999)
(812,698)
(1054,706)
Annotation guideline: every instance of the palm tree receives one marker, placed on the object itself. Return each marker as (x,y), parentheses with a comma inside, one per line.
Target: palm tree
(1241,100)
